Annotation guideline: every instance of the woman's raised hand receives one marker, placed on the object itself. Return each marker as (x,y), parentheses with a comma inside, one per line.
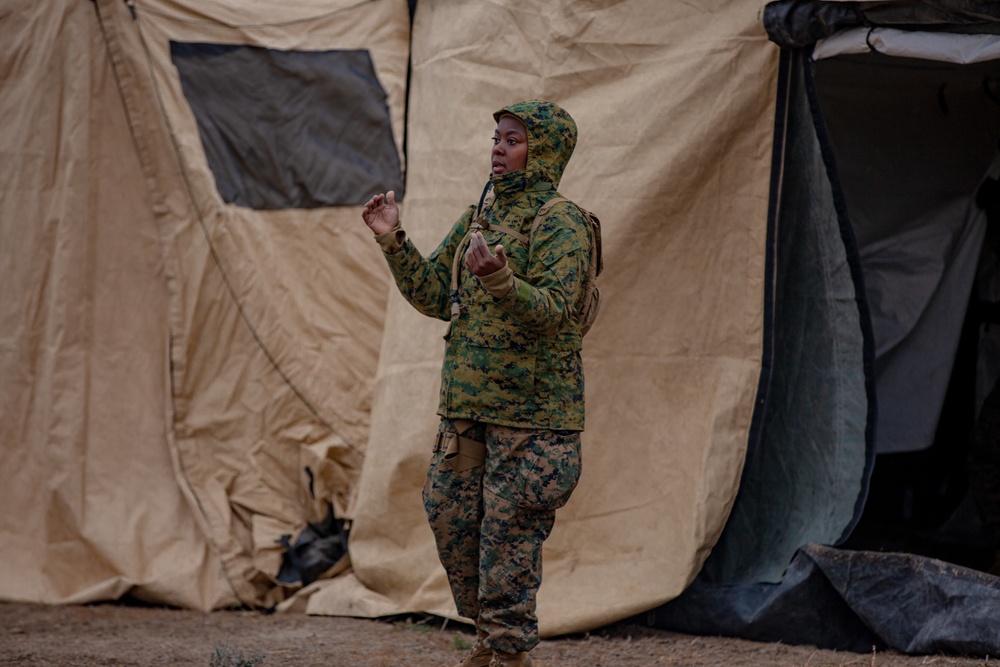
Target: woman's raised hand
(381,213)
(480,260)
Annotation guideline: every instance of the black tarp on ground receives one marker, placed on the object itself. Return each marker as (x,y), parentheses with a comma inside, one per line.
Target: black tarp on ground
(852,600)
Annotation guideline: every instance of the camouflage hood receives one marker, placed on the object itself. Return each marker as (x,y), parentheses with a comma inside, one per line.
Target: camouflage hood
(551,139)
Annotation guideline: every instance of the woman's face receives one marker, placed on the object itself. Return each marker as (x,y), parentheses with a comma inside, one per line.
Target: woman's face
(510,146)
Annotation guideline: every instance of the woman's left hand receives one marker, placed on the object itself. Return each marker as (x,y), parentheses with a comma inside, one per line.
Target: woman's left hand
(480,260)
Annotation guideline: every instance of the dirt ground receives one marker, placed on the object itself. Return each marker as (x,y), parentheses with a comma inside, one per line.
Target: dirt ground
(116,634)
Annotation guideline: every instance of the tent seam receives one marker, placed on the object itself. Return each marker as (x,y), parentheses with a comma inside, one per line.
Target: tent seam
(184,484)
(237,26)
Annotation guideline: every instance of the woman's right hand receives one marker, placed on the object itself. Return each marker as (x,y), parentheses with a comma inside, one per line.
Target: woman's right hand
(381,213)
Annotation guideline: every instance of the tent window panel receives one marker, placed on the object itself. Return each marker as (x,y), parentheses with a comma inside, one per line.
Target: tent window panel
(290,129)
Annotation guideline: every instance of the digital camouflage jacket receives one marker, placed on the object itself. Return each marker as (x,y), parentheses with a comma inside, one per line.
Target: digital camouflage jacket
(513,361)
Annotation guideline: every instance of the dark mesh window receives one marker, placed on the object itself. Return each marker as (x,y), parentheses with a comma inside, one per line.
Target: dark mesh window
(290,129)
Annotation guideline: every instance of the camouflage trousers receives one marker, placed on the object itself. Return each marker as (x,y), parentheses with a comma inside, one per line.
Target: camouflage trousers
(489,523)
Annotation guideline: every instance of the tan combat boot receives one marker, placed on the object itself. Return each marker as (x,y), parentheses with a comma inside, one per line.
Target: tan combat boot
(501,659)
(479,655)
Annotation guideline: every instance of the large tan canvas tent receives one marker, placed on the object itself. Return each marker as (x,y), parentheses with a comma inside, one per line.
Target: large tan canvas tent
(187,366)
(209,380)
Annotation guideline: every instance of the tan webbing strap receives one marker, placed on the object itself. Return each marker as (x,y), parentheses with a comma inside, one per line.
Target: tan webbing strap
(456,267)
(507,230)
(463,453)
(544,210)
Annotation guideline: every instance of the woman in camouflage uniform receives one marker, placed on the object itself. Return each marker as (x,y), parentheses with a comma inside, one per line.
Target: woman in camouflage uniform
(508,450)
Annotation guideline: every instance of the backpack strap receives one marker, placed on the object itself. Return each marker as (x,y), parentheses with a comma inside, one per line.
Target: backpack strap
(456,268)
(456,307)
(506,230)
(544,210)
(484,225)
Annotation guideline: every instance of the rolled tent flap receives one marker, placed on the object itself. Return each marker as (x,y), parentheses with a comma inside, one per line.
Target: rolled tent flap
(945,47)
(797,24)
